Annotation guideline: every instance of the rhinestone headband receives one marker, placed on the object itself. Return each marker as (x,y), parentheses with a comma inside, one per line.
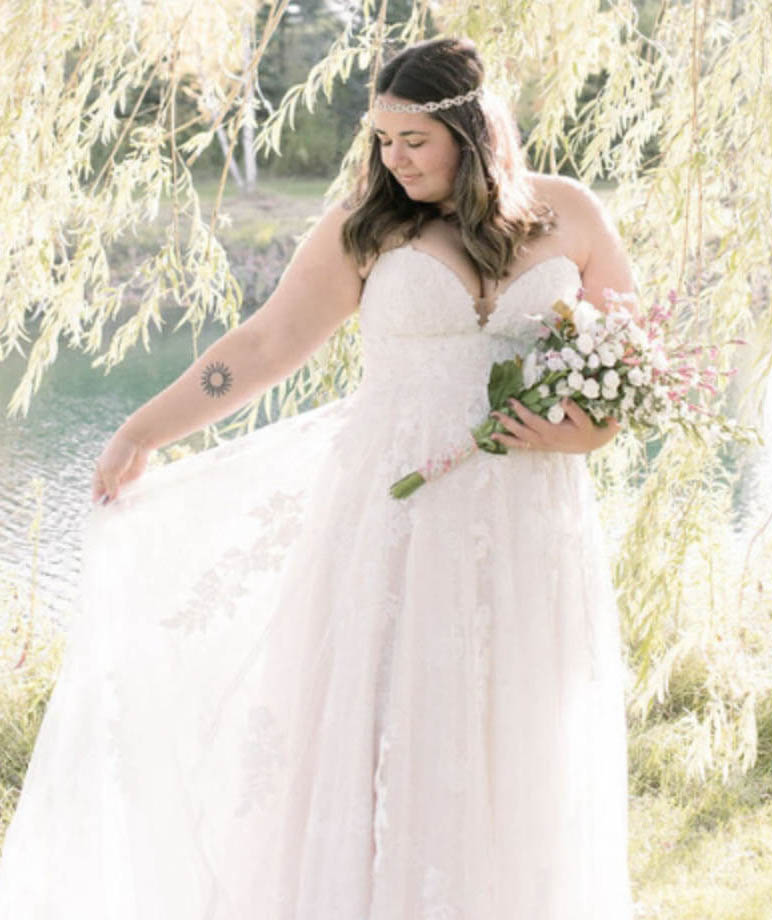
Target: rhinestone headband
(427,106)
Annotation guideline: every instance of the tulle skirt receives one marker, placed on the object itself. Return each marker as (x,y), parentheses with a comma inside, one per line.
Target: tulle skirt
(288,696)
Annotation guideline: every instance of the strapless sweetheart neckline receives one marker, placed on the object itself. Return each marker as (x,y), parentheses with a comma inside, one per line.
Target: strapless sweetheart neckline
(471,298)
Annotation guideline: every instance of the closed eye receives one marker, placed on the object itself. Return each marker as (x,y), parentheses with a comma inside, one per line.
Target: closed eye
(411,146)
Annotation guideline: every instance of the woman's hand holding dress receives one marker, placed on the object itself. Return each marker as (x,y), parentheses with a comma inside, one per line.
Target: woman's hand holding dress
(121,461)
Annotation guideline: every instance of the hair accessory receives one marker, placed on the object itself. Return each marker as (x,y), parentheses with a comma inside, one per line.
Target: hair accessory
(412,107)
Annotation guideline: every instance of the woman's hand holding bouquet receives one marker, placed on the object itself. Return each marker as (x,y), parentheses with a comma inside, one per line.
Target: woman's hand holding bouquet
(591,367)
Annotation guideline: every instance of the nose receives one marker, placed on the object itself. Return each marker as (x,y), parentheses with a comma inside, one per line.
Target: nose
(395,155)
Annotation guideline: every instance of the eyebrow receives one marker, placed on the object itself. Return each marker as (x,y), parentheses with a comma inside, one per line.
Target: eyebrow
(401,133)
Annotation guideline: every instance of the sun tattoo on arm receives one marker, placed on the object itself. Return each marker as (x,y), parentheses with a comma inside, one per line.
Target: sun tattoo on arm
(216,379)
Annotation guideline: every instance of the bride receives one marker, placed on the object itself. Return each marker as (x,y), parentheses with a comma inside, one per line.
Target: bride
(289,696)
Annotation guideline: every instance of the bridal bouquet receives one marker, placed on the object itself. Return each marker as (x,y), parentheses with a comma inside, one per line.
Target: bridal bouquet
(613,364)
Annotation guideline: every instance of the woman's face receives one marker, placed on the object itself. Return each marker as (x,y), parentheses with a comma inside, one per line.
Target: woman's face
(419,151)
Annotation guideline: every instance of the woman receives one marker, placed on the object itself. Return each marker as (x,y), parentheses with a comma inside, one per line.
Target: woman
(291,696)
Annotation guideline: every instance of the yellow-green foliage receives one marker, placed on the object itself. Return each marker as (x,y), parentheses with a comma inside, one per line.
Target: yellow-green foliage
(30,651)
(29,661)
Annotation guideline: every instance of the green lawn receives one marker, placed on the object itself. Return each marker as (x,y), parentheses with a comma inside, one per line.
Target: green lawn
(684,869)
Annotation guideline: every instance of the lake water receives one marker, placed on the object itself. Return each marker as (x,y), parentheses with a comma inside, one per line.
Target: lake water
(71,417)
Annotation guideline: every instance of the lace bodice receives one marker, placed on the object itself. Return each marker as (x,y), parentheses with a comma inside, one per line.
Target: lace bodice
(422,337)
(412,293)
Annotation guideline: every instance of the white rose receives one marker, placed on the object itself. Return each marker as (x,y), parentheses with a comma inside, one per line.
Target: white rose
(593,361)
(635,376)
(585,343)
(610,379)
(556,363)
(555,414)
(572,359)
(591,389)
(585,316)
(609,392)
(531,372)
(576,381)
(562,388)
(618,349)
(607,356)
(544,390)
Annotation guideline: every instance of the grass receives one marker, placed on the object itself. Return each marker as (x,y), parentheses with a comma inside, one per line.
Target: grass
(699,850)
(683,869)
(30,654)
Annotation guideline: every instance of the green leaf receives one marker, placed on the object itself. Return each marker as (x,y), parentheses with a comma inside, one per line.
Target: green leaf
(505,381)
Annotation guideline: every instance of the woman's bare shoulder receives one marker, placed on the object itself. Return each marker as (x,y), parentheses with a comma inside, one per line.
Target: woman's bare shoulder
(580,211)
(589,234)
(563,193)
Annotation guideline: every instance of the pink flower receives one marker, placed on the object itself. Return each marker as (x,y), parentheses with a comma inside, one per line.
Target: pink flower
(708,386)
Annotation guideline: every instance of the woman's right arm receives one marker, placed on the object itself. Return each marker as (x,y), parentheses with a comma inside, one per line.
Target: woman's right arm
(320,287)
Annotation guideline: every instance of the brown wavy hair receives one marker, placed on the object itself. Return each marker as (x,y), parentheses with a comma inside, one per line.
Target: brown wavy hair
(494,209)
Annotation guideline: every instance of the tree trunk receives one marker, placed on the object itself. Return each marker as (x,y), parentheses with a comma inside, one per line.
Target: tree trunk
(248,131)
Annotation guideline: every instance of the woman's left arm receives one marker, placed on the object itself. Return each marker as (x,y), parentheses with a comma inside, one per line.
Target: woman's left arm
(604,264)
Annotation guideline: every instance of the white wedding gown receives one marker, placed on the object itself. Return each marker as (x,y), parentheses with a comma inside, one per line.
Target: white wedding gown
(289,696)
